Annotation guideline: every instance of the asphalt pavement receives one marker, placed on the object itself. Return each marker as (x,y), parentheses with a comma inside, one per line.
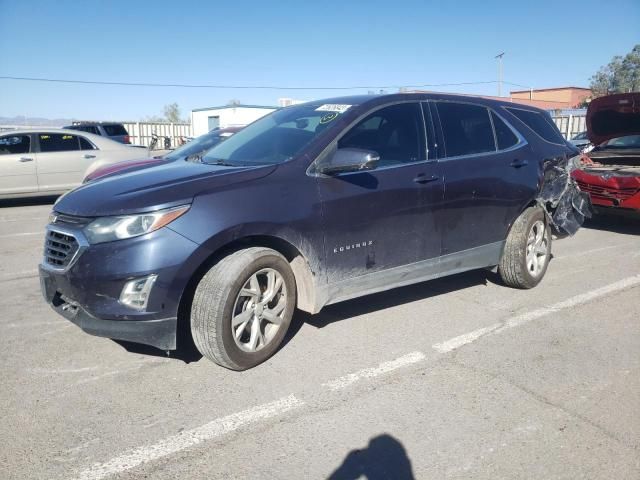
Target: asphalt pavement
(456,378)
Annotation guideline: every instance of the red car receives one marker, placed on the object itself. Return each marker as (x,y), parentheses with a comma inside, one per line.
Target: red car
(610,173)
(193,149)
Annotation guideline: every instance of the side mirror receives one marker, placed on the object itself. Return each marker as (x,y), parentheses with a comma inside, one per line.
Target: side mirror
(350,160)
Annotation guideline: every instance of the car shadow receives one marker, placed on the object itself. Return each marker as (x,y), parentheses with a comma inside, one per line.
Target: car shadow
(187,352)
(398,296)
(384,457)
(28,202)
(614,223)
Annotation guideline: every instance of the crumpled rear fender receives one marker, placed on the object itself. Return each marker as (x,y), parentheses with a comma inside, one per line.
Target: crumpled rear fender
(561,198)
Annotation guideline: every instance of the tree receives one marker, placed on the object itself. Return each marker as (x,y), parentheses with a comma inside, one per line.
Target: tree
(621,75)
(172,113)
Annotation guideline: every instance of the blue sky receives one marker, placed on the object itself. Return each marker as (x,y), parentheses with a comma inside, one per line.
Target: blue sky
(302,43)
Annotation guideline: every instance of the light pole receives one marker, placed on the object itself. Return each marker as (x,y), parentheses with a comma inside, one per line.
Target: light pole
(499,57)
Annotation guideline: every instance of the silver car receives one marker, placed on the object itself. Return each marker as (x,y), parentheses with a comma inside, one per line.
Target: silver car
(51,161)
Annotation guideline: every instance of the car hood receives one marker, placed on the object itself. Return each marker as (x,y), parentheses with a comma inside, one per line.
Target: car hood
(613,116)
(153,188)
(121,167)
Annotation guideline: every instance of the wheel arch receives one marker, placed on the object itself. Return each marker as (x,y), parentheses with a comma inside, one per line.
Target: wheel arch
(306,283)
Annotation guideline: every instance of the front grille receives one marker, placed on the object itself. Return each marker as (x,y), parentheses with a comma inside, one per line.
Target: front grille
(607,193)
(59,249)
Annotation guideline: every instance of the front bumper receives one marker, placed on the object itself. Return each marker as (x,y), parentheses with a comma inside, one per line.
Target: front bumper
(87,292)
(160,333)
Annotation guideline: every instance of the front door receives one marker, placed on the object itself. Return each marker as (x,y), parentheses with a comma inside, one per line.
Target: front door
(383,218)
(17,165)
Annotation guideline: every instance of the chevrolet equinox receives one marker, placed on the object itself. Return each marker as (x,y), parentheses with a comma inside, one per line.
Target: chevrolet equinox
(311,205)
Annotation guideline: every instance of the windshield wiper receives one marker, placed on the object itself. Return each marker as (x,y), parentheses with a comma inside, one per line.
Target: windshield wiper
(218,161)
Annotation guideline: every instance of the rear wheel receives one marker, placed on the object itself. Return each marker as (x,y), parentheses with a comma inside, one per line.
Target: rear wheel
(527,250)
(242,308)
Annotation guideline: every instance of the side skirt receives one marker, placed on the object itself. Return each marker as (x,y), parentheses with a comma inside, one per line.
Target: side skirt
(472,259)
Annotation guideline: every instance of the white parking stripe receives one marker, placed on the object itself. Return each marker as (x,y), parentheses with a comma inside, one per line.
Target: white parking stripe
(345,381)
(527,317)
(19,275)
(20,219)
(27,234)
(464,339)
(595,250)
(189,438)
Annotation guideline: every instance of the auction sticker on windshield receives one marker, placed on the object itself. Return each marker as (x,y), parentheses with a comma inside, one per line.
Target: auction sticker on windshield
(333,107)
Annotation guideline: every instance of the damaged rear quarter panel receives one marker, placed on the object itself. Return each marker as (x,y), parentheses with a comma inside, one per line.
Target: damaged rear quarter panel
(566,205)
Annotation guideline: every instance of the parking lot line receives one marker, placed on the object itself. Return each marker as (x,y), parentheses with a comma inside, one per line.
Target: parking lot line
(470,337)
(19,275)
(385,367)
(26,234)
(232,422)
(189,438)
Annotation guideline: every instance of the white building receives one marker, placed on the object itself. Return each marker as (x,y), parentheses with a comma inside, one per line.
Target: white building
(204,120)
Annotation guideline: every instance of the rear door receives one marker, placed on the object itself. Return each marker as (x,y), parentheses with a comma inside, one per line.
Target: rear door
(17,164)
(62,160)
(489,176)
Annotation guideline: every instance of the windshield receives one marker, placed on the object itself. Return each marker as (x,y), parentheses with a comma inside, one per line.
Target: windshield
(626,142)
(277,137)
(197,146)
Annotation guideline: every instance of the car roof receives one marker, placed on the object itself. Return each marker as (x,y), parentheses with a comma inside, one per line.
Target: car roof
(81,124)
(365,100)
(104,143)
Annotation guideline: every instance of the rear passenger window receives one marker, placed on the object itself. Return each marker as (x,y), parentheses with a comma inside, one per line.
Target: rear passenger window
(505,136)
(57,142)
(466,129)
(113,130)
(396,133)
(540,123)
(15,144)
(85,144)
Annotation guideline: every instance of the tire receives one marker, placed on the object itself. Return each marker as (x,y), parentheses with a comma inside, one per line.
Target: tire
(523,264)
(228,293)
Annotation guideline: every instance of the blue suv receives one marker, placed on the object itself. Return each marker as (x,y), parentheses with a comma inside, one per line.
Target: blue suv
(311,205)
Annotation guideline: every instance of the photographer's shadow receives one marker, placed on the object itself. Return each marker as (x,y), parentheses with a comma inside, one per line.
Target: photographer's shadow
(384,458)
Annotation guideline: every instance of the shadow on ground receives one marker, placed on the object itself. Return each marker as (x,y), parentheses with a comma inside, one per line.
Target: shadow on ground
(383,458)
(399,296)
(28,202)
(187,351)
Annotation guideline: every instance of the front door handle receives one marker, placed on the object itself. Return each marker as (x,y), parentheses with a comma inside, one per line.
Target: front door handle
(423,178)
(518,163)
(26,159)
(89,156)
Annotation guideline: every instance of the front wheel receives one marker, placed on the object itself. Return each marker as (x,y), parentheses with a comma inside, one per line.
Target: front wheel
(527,250)
(242,308)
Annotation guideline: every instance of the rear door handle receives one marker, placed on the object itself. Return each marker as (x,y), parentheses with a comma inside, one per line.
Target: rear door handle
(423,178)
(519,163)
(89,156)
(26,159)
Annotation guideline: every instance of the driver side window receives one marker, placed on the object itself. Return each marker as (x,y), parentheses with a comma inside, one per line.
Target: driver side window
(396,133)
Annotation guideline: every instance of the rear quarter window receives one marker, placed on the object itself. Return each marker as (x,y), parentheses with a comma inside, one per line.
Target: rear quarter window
(115,130)
(540,123)
(504,135)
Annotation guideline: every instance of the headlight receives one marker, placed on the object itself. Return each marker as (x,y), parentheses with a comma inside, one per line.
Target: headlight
(107,229)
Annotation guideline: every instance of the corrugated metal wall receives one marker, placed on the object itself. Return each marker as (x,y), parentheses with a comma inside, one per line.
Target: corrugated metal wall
(141,132)
(569,125)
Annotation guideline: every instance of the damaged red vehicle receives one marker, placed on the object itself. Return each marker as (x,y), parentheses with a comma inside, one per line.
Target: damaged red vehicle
(610,173)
